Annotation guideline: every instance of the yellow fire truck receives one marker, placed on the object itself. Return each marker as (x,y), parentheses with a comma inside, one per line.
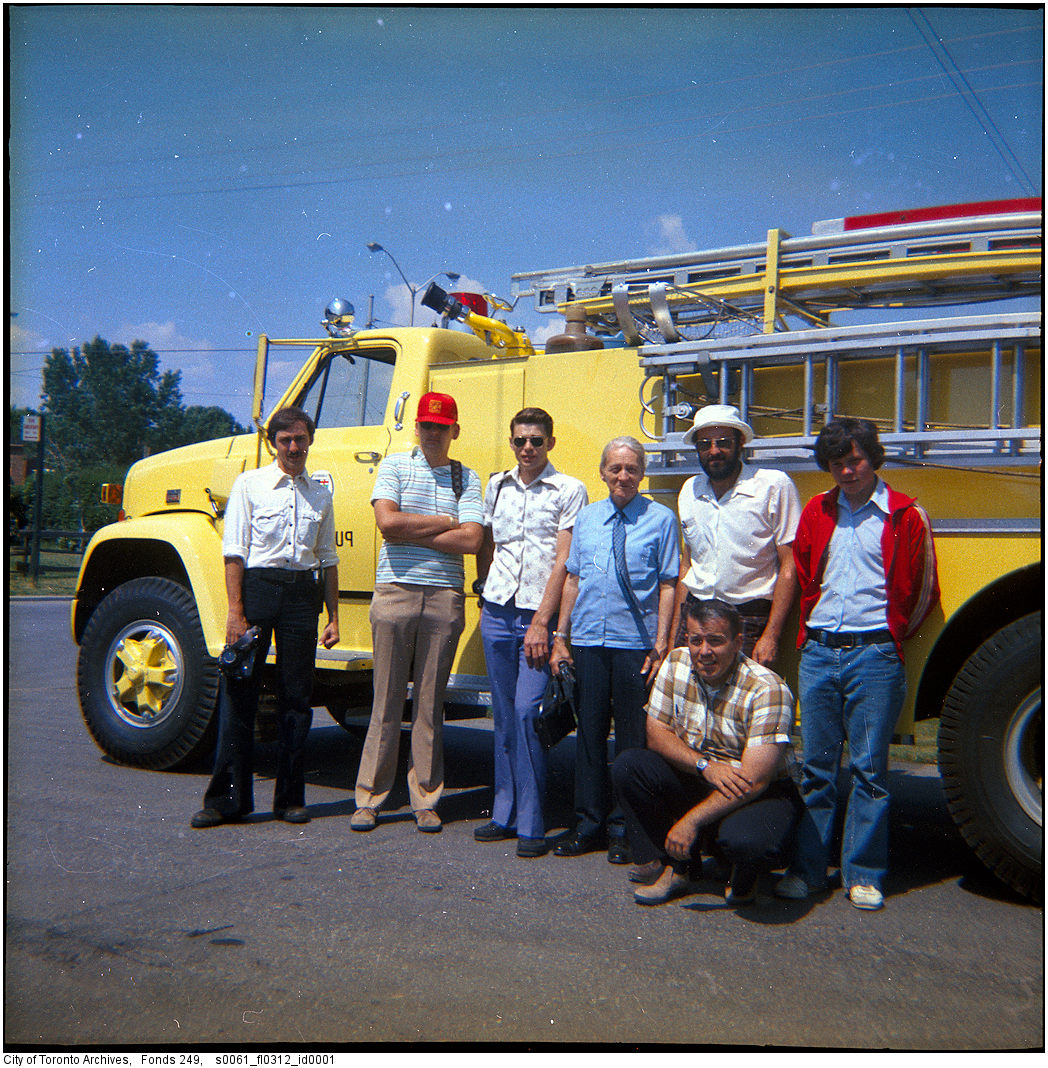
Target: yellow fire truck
(956,397)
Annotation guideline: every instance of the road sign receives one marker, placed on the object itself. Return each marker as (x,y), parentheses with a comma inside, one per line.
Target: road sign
(31,428)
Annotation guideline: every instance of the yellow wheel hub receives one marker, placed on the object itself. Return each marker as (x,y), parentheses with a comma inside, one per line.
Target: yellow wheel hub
(145,672)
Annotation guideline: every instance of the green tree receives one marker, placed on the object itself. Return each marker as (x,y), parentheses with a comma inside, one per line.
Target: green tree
(107,406)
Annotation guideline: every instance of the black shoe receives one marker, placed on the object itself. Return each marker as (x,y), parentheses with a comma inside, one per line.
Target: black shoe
(211,817)
(618,850)
(532,847)
(575,844)
(493,832)
(292,814)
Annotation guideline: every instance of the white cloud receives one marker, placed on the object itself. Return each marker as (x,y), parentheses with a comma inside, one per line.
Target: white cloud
(667,236)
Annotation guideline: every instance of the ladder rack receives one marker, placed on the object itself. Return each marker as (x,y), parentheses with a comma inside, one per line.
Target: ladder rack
(756,286)
(728,370)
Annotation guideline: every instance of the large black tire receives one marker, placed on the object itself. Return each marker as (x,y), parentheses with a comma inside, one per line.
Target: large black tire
(147,685)
(991,754)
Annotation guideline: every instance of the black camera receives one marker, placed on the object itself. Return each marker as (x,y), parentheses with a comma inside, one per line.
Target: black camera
(237,661)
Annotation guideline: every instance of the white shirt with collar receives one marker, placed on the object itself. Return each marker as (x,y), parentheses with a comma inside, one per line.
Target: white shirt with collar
(274,520)
(734,541)
(524,522)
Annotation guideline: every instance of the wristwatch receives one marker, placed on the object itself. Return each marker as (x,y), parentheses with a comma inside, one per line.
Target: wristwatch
(702,764)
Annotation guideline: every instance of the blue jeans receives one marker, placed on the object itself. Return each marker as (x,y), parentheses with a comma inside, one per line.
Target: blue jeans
(610,682)
(516,696)
(854,694)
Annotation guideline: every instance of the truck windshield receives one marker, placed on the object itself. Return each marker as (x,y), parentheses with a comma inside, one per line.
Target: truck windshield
(350,389)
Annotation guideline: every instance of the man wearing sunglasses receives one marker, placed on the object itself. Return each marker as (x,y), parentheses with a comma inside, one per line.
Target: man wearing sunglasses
(738,523)
(529,512)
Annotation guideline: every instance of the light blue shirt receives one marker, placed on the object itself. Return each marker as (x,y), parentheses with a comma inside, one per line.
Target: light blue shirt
(854,595)
(602,616)
(413,486)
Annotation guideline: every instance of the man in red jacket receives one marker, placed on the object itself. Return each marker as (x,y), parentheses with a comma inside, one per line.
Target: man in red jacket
(866,568)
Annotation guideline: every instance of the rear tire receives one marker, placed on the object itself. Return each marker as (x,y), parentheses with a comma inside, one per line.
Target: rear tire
(146,683)
(991,754)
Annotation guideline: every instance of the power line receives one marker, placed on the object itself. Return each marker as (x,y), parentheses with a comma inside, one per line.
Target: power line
(969,96)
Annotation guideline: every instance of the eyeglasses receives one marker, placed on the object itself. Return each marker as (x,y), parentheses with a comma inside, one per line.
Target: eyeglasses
(705,444)
(536,443)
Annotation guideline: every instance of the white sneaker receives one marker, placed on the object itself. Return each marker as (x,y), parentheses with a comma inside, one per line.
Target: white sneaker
(792,887)
(866,897)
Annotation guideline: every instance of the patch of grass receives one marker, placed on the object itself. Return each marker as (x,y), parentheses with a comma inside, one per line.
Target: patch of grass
(57,578)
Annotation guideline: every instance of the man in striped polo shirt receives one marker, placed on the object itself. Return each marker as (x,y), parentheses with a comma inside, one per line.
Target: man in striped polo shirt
(430,513)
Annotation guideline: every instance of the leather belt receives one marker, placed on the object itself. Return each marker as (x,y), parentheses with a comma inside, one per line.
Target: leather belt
(755,607)
(284,575)
(849,639)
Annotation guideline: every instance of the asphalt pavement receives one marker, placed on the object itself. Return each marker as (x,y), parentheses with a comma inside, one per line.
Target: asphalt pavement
(127,927)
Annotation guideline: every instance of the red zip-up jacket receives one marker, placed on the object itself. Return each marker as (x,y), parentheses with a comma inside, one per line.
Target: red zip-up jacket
(910,572)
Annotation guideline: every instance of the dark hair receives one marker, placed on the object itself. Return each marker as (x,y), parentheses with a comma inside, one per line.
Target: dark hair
(533,417)
(286,418)
(837,437)
(704,611)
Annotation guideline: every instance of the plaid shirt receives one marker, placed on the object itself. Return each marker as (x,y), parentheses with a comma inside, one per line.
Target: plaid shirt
(752,707)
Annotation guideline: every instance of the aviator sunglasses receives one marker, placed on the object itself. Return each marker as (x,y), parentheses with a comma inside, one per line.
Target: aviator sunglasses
(705,444)
(536,443)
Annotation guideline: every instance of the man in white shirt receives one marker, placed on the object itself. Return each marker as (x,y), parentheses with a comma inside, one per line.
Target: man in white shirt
(278,544)
(738,524)
(528,515)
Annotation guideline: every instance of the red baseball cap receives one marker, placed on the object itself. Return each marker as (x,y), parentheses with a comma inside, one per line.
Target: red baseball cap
(437,408)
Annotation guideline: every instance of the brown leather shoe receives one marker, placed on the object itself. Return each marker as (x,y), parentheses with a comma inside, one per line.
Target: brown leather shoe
(364,819)
(645,874)
(292,814)
(667,886)
(211,817)
(428,821)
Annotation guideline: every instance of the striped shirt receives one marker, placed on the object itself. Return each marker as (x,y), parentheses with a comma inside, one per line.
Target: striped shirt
(752,707)
(413,486)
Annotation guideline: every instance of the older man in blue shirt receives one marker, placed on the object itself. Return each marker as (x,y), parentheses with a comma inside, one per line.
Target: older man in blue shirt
(616,611)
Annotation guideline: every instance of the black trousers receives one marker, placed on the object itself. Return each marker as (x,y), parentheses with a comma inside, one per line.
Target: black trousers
(654,795)
(287,612)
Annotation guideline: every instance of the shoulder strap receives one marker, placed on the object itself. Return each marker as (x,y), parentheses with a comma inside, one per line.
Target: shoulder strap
(498,489)
(456,477)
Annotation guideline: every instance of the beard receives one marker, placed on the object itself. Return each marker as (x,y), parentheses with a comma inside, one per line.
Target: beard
(720,470)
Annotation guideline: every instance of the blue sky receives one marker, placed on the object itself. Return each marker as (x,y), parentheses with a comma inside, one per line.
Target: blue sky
(196,175)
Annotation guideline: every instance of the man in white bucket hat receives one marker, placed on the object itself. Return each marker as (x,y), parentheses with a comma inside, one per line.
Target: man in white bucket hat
(738,523)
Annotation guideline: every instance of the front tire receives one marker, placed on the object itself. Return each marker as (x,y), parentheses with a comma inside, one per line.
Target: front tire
(146,683)
(991,754)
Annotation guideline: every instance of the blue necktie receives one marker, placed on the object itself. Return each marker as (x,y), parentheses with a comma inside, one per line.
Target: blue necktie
(622,573)
(618,548)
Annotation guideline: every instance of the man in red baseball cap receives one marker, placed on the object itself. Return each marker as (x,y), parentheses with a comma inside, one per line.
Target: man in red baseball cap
(430,513)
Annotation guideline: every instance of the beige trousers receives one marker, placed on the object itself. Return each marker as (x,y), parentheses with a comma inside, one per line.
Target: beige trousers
(415,631)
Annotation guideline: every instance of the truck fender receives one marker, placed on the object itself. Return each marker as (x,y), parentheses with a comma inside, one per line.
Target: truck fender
(184,547)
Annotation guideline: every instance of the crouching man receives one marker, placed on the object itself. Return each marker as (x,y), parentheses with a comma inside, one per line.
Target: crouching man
(715,776)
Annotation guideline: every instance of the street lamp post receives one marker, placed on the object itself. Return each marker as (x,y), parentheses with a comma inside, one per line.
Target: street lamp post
(374,246)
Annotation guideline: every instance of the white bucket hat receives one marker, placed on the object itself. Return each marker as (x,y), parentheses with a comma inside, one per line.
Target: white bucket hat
(719,415)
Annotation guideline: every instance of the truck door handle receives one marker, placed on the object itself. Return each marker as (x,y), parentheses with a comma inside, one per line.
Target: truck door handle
(398,411)
(367,457)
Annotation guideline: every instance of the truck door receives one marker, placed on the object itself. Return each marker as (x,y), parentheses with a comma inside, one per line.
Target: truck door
(347,399)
